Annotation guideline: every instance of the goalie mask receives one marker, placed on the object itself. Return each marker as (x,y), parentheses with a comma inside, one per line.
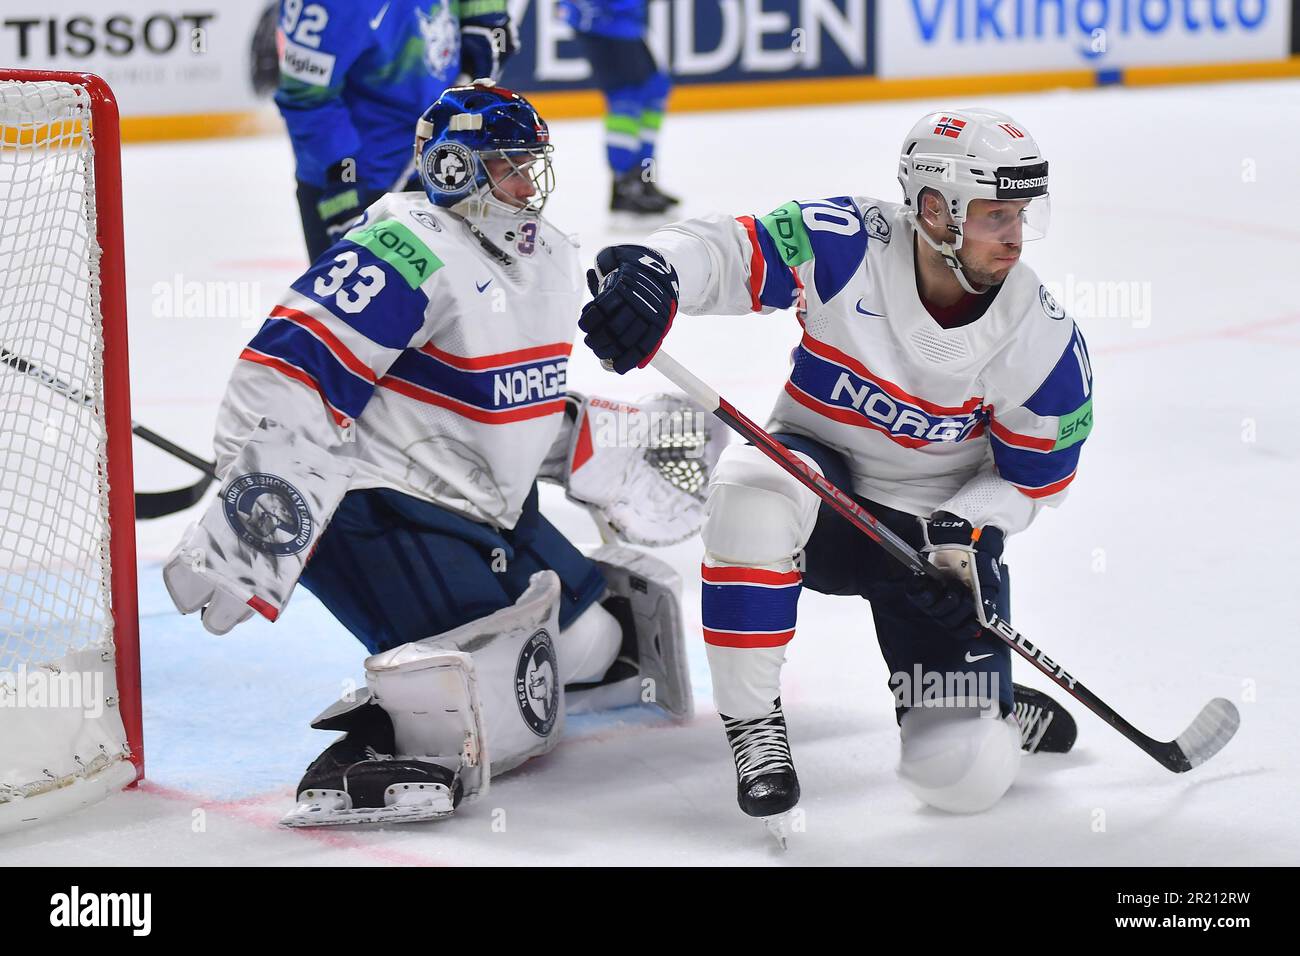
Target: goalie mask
(464,131)
(969,155)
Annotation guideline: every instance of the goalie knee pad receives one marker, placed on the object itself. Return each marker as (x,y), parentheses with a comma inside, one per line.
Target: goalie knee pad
(589,645)
(958,758)
(645,599)
(758,516)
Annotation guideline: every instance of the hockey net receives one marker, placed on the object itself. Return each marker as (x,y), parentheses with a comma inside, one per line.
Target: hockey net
(69,667)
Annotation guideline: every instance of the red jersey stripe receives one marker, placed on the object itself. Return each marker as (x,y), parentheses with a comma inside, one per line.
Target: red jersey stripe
(318,328)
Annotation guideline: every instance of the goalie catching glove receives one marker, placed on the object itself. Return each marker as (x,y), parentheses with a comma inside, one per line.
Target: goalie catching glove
(251,545)
(641,469)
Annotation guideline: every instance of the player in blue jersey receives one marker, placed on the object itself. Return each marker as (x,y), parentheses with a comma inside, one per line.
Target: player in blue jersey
(354,77)
(612,34)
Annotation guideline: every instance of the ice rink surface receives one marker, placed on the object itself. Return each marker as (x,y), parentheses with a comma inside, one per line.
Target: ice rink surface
(1168,578)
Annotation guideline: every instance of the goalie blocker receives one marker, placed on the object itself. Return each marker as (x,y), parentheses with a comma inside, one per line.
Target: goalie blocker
(441,716)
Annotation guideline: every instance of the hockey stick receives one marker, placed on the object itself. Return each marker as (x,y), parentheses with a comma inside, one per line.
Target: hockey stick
(148,504)
(1207,734)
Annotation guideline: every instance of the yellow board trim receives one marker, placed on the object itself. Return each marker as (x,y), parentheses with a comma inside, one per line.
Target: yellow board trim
(754,94)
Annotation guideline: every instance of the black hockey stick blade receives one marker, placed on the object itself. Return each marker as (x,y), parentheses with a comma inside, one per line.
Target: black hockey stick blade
(148,504)
(159,504)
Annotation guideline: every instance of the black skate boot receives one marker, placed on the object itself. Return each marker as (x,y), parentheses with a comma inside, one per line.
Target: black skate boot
(1045,726)
(358,781)
(651,188)
(766,784)
(631,205)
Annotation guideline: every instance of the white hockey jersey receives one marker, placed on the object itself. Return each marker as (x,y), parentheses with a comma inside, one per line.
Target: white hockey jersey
(413,350)
(986,420)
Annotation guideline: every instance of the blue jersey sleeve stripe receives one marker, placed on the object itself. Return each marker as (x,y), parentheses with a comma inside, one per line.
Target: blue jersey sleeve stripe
(338,385)
(1068,385)
(1034,469)
(779,290)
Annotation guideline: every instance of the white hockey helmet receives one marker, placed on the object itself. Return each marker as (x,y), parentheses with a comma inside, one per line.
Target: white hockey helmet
(971,154)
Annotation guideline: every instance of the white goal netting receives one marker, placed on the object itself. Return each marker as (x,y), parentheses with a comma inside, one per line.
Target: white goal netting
(60,731)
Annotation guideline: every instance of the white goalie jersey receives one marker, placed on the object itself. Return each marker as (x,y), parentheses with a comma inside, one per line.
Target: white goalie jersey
(985,420)
(410,348)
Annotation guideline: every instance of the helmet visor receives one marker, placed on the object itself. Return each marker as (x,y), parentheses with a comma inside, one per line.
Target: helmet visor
(1007,220)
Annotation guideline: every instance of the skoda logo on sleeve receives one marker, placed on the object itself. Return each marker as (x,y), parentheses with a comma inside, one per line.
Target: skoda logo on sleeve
(1050,305)
(268,514)
(537,684)
(449,168)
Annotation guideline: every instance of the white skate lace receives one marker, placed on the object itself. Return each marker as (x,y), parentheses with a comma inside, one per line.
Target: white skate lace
(1034,721)
(759,745)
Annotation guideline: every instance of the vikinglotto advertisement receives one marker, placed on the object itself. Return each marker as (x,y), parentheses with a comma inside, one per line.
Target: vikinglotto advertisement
(222,58)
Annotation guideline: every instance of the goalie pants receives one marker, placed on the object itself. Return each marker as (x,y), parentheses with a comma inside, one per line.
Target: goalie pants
(392,568)
(749,613)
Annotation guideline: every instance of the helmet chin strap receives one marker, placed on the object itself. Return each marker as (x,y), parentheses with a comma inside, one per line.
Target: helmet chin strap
(949,254)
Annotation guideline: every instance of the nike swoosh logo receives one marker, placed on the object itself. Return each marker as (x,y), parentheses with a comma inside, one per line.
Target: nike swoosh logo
(379,17)
(972,660)
(483,286)
(879,315)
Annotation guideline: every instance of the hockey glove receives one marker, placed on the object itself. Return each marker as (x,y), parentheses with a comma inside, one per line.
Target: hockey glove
(634,300)
(972,557)
(486,43)
(339,205)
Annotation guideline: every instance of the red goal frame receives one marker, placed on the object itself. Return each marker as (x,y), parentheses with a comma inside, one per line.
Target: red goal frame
(105,133)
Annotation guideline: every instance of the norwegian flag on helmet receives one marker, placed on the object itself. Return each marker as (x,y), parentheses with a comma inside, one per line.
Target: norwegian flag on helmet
(949,126)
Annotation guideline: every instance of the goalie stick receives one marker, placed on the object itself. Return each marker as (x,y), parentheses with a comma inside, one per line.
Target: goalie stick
(148,504)
(1213,727)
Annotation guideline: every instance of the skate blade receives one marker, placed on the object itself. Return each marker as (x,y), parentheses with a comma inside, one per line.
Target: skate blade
(436,807)
(637,222)
(779,826)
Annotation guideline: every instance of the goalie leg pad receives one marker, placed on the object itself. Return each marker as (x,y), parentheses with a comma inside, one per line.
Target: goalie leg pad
(513,695)
(650,591)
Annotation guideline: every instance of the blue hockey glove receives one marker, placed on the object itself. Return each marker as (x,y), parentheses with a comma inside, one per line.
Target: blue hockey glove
(634,300)
(972,557)
(340,203)
(486,43)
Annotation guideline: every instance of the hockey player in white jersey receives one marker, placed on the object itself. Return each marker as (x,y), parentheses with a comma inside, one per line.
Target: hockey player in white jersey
(381,439)
(937,380)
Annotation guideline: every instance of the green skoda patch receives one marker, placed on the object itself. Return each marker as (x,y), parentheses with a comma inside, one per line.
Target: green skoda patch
(785,225)
(400,248)
(1075,426)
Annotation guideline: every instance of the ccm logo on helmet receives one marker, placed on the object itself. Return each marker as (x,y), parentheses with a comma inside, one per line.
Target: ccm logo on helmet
(924,167)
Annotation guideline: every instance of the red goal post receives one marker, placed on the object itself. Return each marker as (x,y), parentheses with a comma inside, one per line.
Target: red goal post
(68,603)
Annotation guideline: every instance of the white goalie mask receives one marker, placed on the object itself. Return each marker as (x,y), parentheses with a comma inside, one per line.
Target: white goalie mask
(969,154)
